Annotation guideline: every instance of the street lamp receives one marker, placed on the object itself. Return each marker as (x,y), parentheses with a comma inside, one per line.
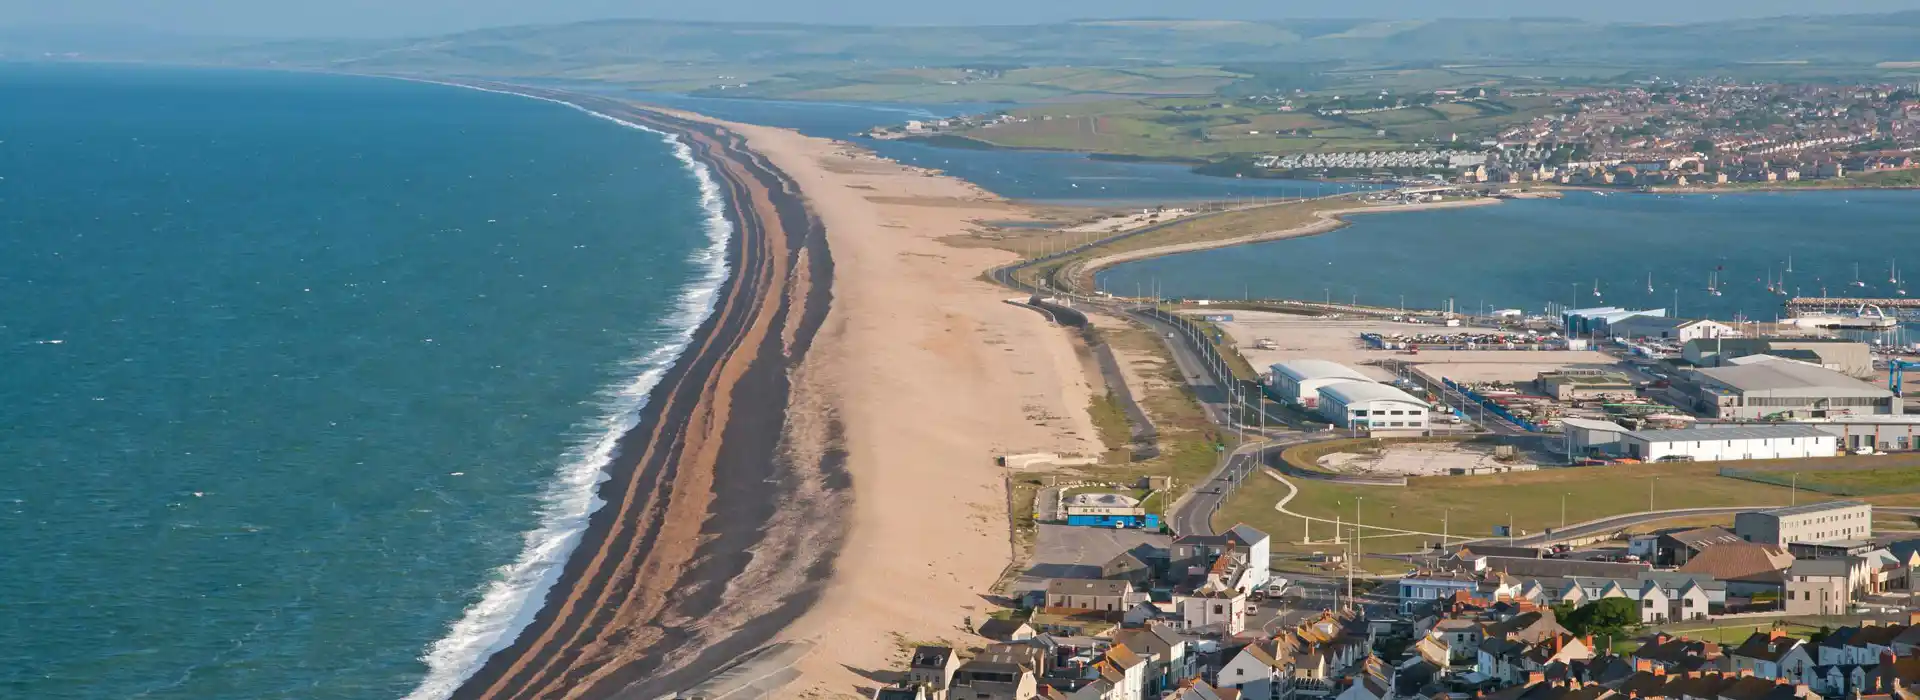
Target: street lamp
(1563,510)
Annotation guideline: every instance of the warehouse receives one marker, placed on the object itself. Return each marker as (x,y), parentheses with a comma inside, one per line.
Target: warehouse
(1680,329)
(1713,444)
(1849,357)
(1879,433)
(1381,410)
(1784,389)
(1593,438)
(1298,382)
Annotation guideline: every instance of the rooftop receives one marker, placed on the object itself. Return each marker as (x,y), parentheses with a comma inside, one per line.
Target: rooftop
(1305,369)
(1791,379)
(1740,432)
(1806,508)
(1361,392)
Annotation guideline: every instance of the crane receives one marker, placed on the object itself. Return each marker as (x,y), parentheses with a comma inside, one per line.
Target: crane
(1896,370)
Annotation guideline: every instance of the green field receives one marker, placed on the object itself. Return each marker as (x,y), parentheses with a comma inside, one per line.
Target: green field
(1473,505)
(1874,475)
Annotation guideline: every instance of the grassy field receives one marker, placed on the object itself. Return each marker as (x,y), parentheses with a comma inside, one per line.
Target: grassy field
(1471,506)
(1111,421)
(1216,128)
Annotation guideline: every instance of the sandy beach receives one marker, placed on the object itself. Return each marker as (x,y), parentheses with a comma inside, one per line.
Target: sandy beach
(932,376)
(814,483)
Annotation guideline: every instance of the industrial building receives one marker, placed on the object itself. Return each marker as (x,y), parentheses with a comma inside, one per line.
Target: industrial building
(1719,443)
(1777,389)
(1298,382)
(1812,522)
(1381,410)
(1880,433)
(1663,327)
(1597,320)
(1585,385)
(1586,437)
(1847,357)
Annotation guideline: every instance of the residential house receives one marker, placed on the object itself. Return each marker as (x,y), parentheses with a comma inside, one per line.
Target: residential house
(1167,655)
(1680,655)
(1135,566)
(1194,554)
(1126,670)
(1256,671)
(1000,672)
(1199,690)
(1859,646)
(902,691)
(1089,594)
(1747,568)
(1001,630)
(1773,655)
(1373,680)
(1222,612)
(1819,587)
(933,668)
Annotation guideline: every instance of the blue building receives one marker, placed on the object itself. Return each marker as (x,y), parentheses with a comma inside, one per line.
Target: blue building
(1136,520)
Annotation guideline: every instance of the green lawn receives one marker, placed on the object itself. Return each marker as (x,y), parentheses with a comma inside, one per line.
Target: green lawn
(1890,480)
(1472,505)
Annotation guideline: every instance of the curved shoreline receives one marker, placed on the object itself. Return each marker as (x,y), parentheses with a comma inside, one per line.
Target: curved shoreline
(643,606)
(1325,221)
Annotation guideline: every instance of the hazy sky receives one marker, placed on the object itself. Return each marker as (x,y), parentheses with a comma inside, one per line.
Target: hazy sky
(409,17)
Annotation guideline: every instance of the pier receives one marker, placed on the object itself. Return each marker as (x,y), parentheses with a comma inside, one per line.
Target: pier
(1894,306)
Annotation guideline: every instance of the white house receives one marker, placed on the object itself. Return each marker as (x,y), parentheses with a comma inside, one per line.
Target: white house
(1710,444)
(1773,655)
(1298,381)
(1377,408)
(1219,611)
(1254,671)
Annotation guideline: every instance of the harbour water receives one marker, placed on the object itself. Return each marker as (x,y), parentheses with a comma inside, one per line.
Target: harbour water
(1537,254)
(305,380)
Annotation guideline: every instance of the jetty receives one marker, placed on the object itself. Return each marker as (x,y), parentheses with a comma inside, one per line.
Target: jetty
(1895,306)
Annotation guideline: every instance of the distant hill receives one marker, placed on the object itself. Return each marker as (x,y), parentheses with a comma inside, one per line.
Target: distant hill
(1848,38)
(777,58)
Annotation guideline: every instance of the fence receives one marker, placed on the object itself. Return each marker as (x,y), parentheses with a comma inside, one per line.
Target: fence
(1492,406)
(1808,480)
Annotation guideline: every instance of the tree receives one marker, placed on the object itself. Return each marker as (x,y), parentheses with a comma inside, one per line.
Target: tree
(1703,146)
(1609,617)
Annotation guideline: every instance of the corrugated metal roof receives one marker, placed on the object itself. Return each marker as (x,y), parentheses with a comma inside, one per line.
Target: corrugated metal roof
(1741,432)
(1805,508)
(1305,369)
(1792,379)
(1589,424)
(1360,392)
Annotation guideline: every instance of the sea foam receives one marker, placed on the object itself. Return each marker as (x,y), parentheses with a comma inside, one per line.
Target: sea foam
(513,598)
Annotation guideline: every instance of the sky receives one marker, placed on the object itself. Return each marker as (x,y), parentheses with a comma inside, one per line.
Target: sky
(364,18)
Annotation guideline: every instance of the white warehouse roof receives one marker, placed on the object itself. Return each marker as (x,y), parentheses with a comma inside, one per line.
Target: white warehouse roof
(1351,393)
(1797,379)
(1739,432)
(1305,370)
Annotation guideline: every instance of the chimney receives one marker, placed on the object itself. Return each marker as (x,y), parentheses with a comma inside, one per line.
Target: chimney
(1744,673)
(1640,664)
(1801,690)
(1659,670)
(1588,640)
(1776,633)
(1535,677)
(1886,659)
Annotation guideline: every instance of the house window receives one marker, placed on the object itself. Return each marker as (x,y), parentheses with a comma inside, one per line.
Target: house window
(1689,603)
(1359,412)
(1219,610)
(1648,603)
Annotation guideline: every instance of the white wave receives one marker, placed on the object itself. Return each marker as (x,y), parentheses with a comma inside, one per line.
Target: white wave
(513,598)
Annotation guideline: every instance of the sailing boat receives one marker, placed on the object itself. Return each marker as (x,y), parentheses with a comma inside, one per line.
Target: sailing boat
(1596,287)
(1899,285)
(1893,271)
(1789,263)
(1856,276)
(1713,283)
(1770,280)
(1649,282)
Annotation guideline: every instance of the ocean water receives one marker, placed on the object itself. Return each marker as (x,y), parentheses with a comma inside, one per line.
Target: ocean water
(1533,254)
(305,380)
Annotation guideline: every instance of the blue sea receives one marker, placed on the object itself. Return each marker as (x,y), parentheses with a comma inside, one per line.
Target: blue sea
(1581,251)
(305,380)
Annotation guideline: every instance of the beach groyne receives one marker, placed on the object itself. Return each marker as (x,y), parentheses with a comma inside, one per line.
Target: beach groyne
(711,539)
